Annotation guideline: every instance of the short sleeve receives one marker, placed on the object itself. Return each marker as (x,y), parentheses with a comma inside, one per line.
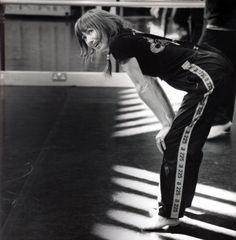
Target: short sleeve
(122,48)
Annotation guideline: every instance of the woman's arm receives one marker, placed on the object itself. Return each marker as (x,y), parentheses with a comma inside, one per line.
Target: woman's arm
(150,92)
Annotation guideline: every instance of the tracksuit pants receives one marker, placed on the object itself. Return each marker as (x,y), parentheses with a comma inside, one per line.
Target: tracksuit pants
(205,77)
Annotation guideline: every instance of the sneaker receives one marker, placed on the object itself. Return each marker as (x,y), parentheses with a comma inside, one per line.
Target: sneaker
(219,130)
(159,222)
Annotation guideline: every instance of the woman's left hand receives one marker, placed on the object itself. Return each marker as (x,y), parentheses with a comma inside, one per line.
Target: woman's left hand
(160,138)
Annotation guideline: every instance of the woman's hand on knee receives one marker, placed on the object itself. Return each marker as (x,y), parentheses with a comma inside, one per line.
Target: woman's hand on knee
(160,138)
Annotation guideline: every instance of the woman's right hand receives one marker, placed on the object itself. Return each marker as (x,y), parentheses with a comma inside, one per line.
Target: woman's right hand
(160,138)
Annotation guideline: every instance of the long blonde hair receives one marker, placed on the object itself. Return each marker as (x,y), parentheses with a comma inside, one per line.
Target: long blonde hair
(103,22)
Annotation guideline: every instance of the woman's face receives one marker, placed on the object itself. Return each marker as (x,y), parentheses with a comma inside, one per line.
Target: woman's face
(92,39)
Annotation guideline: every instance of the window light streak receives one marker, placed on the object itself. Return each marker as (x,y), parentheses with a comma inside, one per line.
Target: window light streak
(145,204)
(133,115)
(137,122)
(208,226)
(143,112)
(134,98)
(193,211)
(216,192)
(198,202)
(137,172)
(175,101)
(133,108)
(173,94)
(177,236)
(136,185)
(112,232)
(130,97)
(127,91)
(142,222)
(130,102)
(214,206)
(134,201)
(155,177)
(145,188)
(205,204)
(129,218)
(127,96)
(137,130)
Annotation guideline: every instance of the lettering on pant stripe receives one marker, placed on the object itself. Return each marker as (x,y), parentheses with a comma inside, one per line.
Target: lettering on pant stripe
(206,79)
(183,149)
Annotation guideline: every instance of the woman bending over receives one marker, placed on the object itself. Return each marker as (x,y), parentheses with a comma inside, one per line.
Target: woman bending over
(202,74)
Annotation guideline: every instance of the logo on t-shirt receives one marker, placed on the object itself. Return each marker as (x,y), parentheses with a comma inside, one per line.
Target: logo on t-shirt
(157,45)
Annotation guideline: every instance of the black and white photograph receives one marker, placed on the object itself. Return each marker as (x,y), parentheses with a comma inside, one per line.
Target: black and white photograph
(117,119)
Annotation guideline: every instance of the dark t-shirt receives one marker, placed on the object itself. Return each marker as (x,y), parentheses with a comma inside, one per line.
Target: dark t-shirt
(221,13)
(156,57)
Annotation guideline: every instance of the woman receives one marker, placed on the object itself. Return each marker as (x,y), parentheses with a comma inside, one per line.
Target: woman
(201,74)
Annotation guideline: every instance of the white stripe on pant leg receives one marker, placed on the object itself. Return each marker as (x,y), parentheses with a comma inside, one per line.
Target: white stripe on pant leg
(202,74)
(181,160)
(183,148)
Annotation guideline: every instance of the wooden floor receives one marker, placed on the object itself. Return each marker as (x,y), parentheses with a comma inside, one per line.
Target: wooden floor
(81,163)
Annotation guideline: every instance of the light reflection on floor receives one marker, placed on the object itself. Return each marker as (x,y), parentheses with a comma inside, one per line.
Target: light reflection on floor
(134,117)
(108,232)
(137,218)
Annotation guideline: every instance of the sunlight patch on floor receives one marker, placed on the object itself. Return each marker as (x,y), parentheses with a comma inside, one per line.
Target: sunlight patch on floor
(140,196)
(114,232)
(136,117)
(139,186)
(204,203)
